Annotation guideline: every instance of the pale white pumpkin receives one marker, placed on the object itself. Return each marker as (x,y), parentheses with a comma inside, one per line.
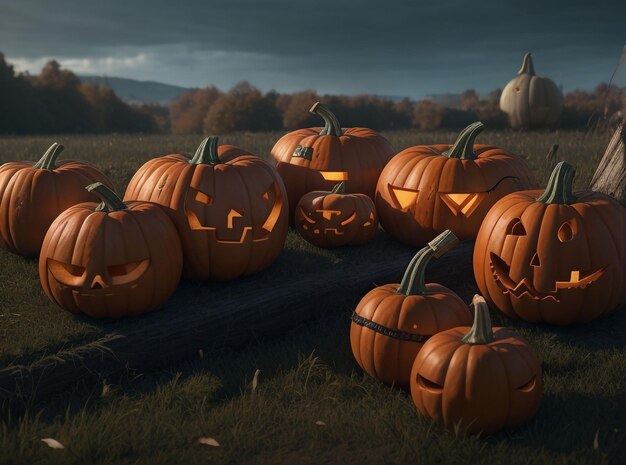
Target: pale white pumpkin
(531,101)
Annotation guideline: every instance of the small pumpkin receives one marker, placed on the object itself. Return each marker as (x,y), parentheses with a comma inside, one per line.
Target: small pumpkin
(531,101)
(32,195)
(482,379)
(427,189)
(335,219)
(230,208)
(555,256)
(110,259)
(315,159)
(392,322)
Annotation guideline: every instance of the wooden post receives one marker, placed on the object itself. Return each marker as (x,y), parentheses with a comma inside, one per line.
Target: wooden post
(610,177)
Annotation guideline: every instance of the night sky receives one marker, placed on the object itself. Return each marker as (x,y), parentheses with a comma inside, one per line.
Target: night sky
(385,47)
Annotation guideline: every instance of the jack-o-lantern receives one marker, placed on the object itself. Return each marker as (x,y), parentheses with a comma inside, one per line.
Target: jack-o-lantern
(557,257)
(32,195)
(426,189)
(335,219)
(482,379)
(315,159)
(111,259)
(531,101)
(229,206)
(392,322)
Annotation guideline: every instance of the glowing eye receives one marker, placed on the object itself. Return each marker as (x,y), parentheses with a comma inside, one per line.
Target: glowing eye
(74,270)
(465,203)
(306,217)
(123,269)
(203,198)
(566,232)
(516,228)
(334,175)
(349,220)
(404,197)
(370,221)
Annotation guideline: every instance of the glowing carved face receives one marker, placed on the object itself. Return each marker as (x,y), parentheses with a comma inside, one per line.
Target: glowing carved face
(229,219)
(525,287)
(332,221)
(91,281)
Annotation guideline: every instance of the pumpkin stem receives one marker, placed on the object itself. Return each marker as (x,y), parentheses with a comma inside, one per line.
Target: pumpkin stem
(559,189)
(413,281)
(110,201)
(207,152)
(527,66)
(331,123)
(340,188)
(481,331)
(48,161)
(463,148)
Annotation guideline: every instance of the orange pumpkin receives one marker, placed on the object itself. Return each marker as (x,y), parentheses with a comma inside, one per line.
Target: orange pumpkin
(481,378)
(32,195)
(557,257)
(335,219)
(427,189)
(315,159)
(229,206)
(392,322)
(111,259)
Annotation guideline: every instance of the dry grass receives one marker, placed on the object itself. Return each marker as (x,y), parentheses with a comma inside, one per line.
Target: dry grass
(307,375)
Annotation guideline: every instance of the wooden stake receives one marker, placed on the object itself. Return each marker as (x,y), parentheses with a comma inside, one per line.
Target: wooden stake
(610,177)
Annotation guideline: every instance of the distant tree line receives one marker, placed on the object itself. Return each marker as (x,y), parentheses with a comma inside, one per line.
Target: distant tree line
(56,101)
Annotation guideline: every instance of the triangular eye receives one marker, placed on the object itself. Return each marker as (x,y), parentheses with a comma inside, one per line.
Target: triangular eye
(516,228)
(204,198)
(464,203)
(566,232)
(404,197)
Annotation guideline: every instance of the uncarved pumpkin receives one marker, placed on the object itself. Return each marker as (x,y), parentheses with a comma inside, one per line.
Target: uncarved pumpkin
(335,218)
(482,379)
(32,195)
(531,101)
(111,259)
(315,159)
(555,256)
(392,322)
(427,189)
(229,206)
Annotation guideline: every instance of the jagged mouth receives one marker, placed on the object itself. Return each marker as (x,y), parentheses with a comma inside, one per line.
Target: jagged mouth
(196,225)
(500,271)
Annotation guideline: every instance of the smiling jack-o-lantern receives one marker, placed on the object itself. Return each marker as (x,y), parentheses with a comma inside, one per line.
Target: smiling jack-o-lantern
(229,207)
(315,159)
(335,219)
(481,378)
(425,190)
(111,259)
(392,322)
(554,257)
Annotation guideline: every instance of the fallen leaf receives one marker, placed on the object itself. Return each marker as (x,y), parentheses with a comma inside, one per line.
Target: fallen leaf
(596,444)
(255,380)
(209,442)
(320,423)
(53,443)
(106,389)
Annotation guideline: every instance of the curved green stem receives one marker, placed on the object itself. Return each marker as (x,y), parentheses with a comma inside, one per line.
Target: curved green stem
(110,201)
(481,331)
(463,148)
(339,188)
(331,123)
(527,65)
(48,161)
(413,281)
(206,154)
(560,184)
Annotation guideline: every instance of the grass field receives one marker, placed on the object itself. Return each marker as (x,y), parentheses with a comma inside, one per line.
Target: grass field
(312,404)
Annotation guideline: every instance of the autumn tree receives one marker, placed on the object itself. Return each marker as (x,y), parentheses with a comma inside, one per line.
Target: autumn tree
(188,111)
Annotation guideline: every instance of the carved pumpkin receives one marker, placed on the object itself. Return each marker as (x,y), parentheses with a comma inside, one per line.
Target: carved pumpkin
(425,189)
(481,378)
(392,322)
(111,259)
(315,159)
(531,101)
(32,195)
(554,257)
(229,206)
(335,219)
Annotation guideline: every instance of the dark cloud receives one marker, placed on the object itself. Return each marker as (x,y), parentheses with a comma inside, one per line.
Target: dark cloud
(383,46)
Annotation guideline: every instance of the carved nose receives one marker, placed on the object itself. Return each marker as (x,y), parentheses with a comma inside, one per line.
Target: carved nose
(232,215)
(535,261)
(98,282)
